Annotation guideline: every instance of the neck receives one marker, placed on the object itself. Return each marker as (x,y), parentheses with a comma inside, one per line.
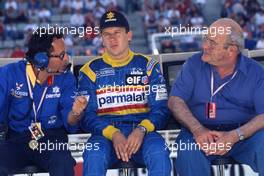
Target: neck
(226,70)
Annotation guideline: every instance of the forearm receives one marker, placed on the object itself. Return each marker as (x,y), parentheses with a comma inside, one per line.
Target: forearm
(182,114)
(254,125)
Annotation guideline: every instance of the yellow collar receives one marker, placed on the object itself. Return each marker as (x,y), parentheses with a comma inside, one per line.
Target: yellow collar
(31,74)
(118,63)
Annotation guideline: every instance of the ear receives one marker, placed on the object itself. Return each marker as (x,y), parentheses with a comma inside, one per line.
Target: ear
(129,36)
(233,49)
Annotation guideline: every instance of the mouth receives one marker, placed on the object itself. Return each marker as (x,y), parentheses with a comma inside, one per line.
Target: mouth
(113,46)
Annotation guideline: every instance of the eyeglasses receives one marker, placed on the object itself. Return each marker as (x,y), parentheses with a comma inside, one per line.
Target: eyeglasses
(61,55)
(211,42)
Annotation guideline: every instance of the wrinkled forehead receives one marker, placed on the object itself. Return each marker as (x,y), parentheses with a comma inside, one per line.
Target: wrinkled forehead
(218,31)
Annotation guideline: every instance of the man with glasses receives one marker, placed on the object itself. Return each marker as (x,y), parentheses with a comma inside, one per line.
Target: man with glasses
(37,104)
(127,104)
(218,97)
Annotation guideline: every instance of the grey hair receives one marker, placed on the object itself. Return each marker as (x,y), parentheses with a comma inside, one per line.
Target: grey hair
(235,37)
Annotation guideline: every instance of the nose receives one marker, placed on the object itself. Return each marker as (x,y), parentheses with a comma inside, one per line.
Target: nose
(66,57)
(205,45)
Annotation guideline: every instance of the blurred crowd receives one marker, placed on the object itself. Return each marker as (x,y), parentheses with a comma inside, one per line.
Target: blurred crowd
(161,14)
(19,18)
(250,15)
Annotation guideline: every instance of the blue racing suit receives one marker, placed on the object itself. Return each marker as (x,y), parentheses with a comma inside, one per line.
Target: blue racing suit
(17,112)
(123,94)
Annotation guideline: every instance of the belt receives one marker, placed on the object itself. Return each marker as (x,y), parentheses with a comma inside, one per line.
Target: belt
(223,127)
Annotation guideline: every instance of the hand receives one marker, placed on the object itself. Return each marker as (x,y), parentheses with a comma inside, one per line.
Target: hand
(203,138)
(223,141)
(134,141)
(79,105)
(119,143)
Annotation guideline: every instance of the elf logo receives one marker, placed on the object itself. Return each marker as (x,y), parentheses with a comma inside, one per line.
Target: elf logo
(134,79)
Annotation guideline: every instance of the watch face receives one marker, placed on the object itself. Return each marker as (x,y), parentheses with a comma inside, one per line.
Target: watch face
(241,137)
(142,129)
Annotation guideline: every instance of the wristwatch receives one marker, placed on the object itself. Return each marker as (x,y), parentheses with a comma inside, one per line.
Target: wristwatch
(240,134)
(142,129)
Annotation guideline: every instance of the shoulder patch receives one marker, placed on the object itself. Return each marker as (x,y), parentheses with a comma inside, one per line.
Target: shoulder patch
(150,63)
(86,69)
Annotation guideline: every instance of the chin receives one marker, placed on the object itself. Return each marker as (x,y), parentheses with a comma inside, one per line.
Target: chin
(205,58)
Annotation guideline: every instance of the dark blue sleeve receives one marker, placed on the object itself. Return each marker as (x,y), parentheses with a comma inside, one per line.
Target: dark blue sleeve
(259,95)
(184,83)
(157,99)
(66,101)
(4,93)
(90,122)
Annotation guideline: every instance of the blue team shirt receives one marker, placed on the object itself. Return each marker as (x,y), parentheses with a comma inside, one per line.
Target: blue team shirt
(237,102)
(16,105)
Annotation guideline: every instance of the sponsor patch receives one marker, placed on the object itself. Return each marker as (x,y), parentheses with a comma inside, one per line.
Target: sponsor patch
(18,94)
(161,93)
(52,120)
(136,71)
(145,80)
(18,86)
(134,80)
(58,95)
(56,90)
(151,64)
(105,72)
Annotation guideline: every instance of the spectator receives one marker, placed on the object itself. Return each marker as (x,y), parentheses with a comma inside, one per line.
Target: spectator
(11,32)
(65,6)
(163,23)
(106,3)
(151,23)
(260,43)
(90,5)
(77,5)
(10,16)
(259,17)
(22,18)
(98,11)
(44,14)
(18,53)
(11,4)
(2,32)
(167,46)
(22,5)
(77,19)
(197,20)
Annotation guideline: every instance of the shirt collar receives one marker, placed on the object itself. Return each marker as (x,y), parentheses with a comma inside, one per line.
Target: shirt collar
(241,64)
